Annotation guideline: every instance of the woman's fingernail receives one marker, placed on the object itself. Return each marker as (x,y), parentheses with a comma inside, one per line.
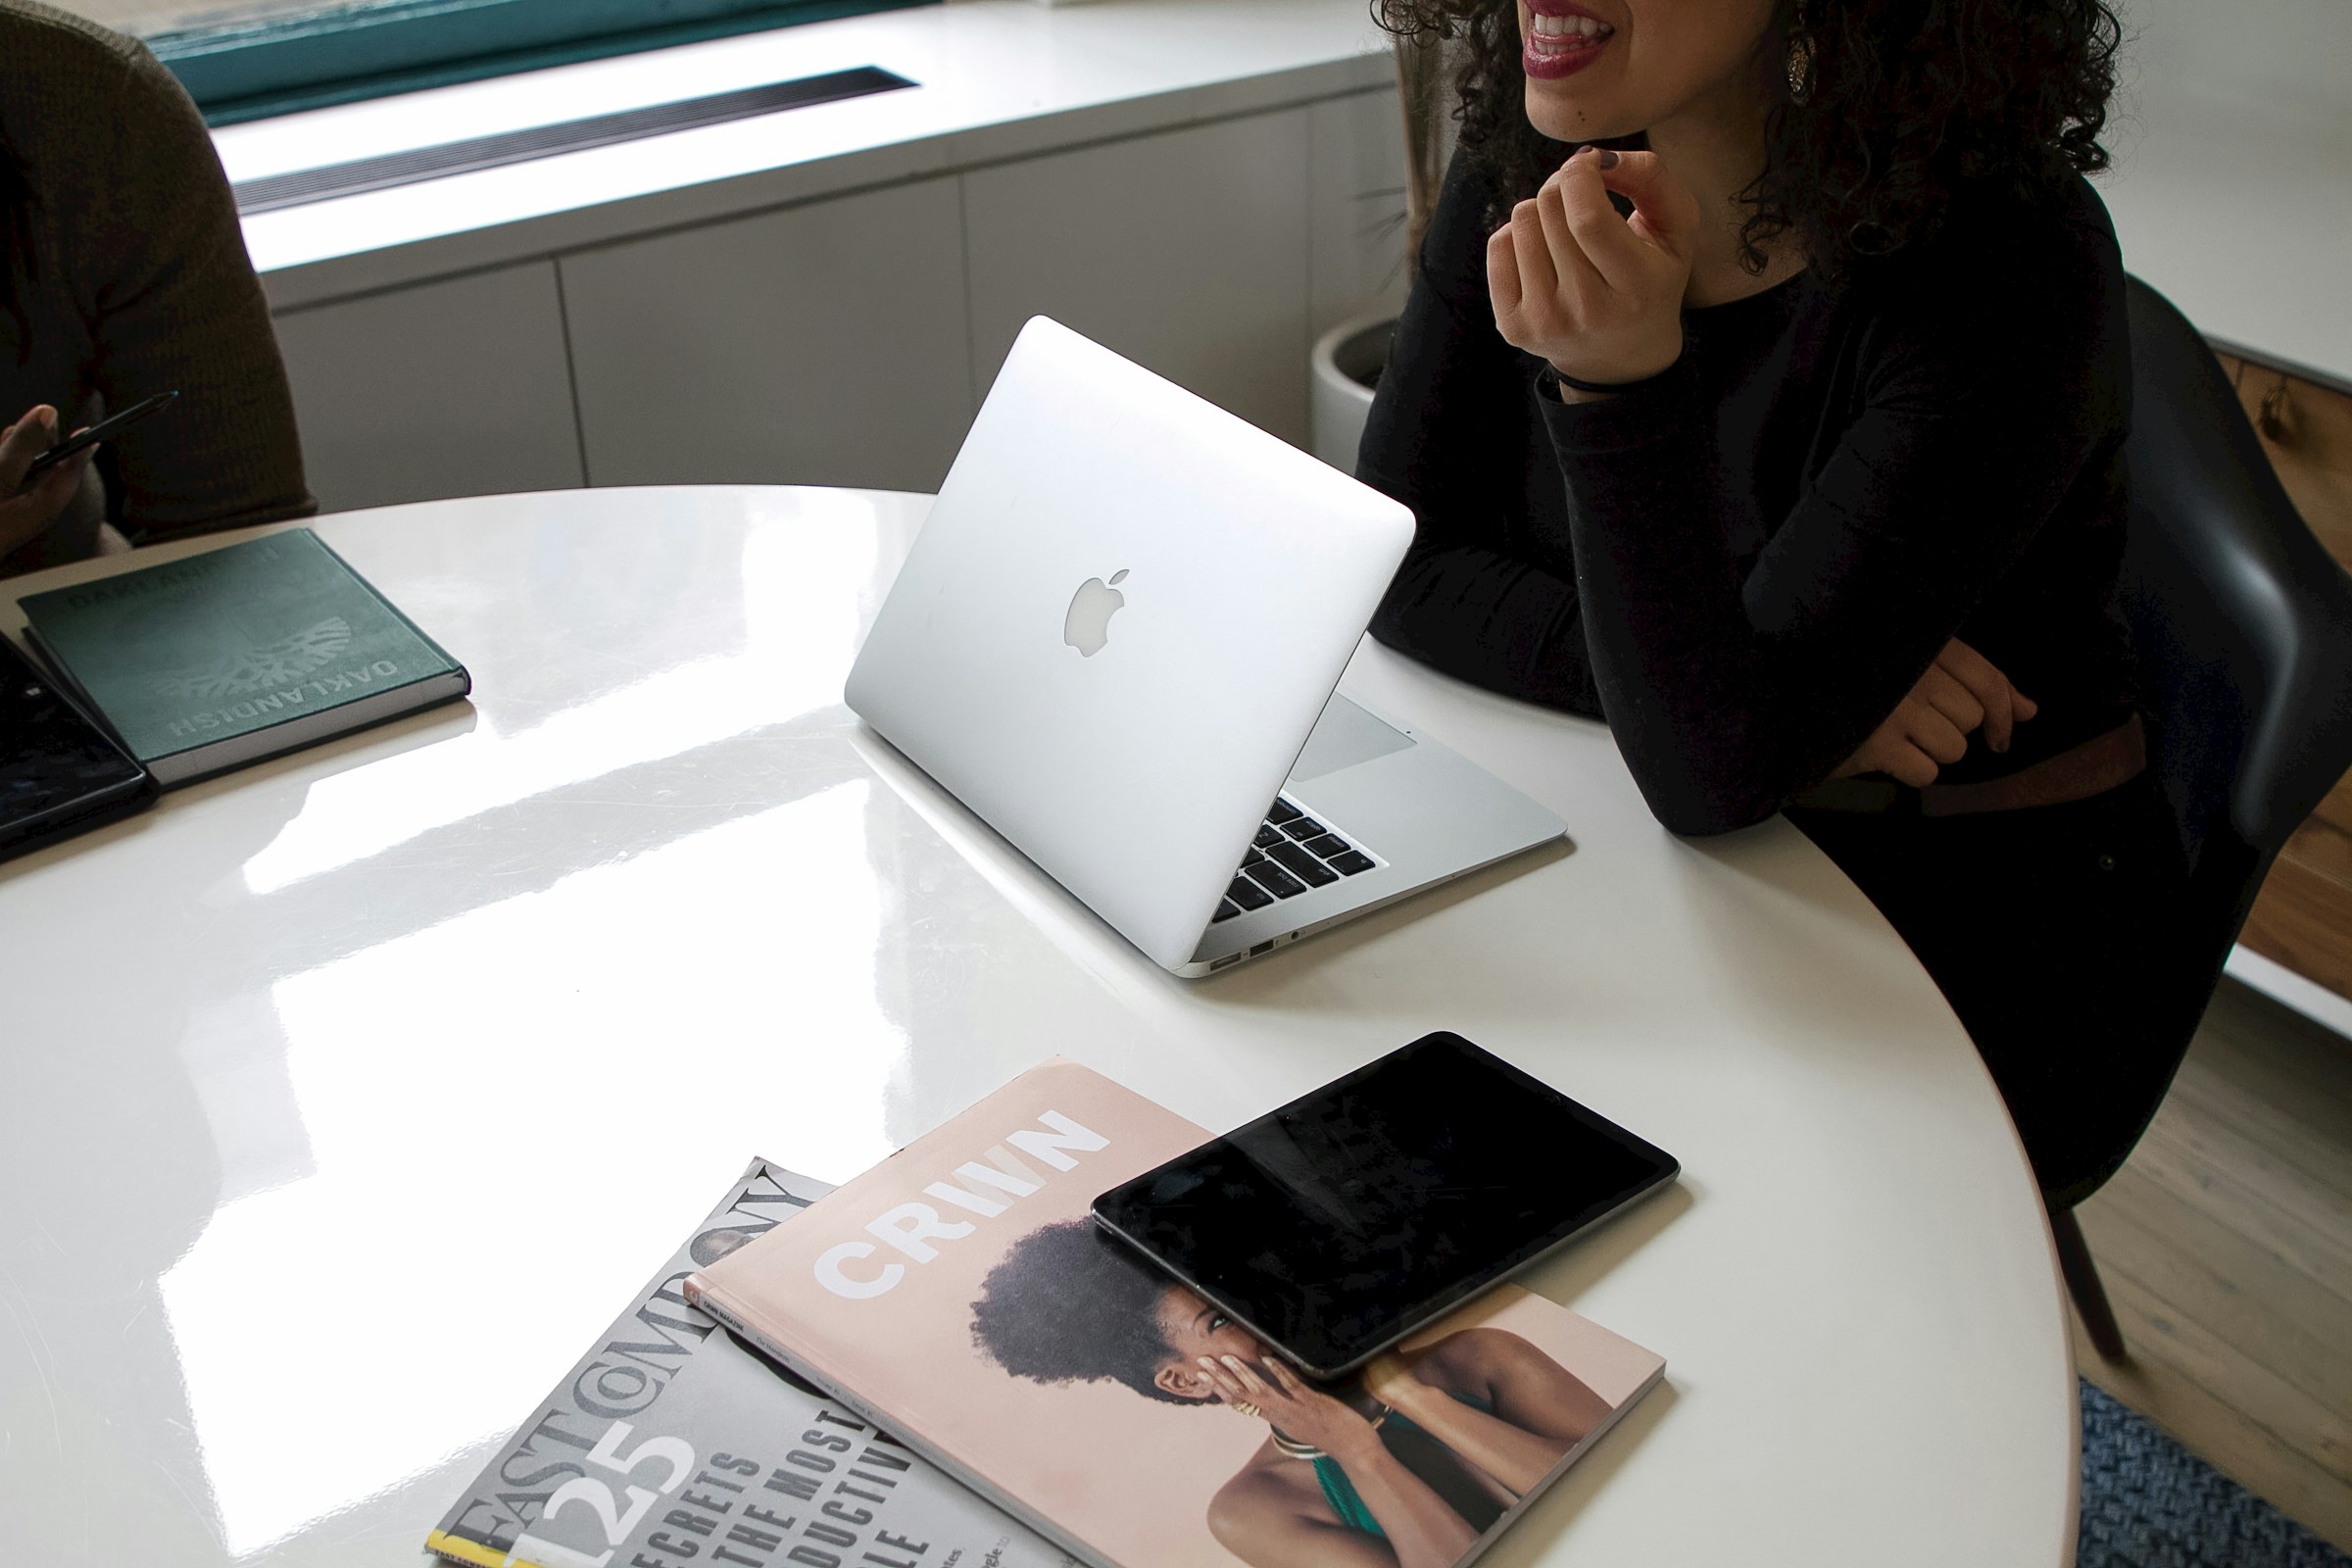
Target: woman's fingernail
(1604,157)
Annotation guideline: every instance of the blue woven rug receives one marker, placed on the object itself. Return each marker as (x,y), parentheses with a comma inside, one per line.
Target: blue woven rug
(2147,1502)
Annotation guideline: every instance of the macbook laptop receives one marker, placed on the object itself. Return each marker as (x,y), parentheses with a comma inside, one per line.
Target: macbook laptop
(1117,641)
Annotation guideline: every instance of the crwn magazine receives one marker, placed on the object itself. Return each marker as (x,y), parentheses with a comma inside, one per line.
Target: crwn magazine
(959,1296)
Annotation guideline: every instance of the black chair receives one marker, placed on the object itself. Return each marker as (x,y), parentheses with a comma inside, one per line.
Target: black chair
(2243,626)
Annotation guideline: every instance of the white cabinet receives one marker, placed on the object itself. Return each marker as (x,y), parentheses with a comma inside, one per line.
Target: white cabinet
(824,344)
(452,388)
(1185,251)
(847,341)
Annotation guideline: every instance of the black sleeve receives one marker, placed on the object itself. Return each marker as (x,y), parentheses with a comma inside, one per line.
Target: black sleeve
(173,304)
(1487,591)
(1978,405)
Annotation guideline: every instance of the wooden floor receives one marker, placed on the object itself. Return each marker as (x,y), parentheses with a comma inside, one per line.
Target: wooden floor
(2227,1246)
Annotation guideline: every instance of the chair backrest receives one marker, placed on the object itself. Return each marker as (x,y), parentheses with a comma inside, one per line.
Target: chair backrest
(2242,620)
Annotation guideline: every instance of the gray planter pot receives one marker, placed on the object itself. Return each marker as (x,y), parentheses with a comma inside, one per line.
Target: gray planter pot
(1346,365)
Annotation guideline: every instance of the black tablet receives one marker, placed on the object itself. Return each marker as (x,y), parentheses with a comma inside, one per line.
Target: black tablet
(60,774)
(1353,1217)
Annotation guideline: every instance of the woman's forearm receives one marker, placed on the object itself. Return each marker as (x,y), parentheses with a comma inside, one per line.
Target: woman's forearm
(1685,676)
(1485,618)
(1516,1458)
(1732,687)
(1423,1529)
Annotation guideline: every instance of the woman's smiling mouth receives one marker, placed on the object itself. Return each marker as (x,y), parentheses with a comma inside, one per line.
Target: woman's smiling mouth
(1560,38)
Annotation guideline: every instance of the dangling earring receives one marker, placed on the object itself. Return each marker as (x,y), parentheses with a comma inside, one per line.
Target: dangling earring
(1801,61)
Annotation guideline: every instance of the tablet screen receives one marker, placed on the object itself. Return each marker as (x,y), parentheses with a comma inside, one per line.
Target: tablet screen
(1352,1216)
(53,763)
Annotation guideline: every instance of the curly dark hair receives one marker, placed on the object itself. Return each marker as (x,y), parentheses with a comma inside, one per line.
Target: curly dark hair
(1067,1305)
(1887,111)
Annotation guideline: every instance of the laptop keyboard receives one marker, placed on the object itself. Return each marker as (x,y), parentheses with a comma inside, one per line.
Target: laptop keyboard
(1292,853)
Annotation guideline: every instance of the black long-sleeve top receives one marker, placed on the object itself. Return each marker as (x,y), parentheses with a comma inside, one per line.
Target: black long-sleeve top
(1745,566)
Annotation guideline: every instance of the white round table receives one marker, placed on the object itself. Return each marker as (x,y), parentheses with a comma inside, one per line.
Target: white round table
(351,1094)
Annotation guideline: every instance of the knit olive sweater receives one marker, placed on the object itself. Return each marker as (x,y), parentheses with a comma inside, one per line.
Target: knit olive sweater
(130,277)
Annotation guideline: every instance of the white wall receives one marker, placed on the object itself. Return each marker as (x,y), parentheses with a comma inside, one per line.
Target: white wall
(2232,186)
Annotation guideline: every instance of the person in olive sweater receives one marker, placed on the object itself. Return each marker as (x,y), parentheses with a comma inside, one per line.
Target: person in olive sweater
(1763,391)
(126,275)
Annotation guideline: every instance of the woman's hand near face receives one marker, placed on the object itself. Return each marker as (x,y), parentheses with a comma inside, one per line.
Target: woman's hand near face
(1418,1529)
(25,512)
(1929,729)
(1598,296)
(1289,1405)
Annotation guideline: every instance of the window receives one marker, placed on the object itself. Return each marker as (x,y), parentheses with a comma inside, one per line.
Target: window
(272,57)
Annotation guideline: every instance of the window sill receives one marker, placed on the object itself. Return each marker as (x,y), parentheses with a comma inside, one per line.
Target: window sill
(998,80)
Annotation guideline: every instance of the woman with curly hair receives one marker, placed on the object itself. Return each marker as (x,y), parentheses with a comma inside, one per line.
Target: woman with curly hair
(1404,1467)
(1763,391)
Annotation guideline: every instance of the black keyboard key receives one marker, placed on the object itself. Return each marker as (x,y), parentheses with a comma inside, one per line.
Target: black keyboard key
(1267,837)
(1251,859)
(1226,910)
(1351,862)
(1247,894)
(1305,867)
(1303,827)
(1329,845)
(1282,810)
(1275,880)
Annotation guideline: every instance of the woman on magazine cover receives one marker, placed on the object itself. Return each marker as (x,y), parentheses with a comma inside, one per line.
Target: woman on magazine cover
(1406,1469)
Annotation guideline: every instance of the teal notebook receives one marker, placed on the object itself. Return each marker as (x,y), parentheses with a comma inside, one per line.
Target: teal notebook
(222,658)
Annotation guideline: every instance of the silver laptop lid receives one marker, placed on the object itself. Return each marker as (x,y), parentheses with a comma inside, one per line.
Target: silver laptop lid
(1118,625)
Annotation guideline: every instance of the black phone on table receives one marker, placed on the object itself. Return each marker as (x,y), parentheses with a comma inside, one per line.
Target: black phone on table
(60,773)
(104,430)
(1360,1214)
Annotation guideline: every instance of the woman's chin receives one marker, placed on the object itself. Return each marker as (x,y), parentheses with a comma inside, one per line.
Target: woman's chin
(1571,111)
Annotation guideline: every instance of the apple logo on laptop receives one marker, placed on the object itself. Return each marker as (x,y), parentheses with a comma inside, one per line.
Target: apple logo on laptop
(1087,627)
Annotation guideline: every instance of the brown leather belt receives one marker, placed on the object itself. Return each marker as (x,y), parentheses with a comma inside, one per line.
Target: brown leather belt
(2077,773)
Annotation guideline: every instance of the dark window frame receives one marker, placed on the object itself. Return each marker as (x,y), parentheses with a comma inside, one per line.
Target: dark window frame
(275,65)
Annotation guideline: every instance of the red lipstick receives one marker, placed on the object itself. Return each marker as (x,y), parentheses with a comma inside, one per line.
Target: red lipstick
(1559,38)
